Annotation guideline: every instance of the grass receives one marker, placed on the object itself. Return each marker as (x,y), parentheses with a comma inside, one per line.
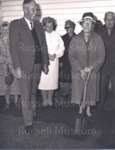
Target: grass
(47,135)
(49,131)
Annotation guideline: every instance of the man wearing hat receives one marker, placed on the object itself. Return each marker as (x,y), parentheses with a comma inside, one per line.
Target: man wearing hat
(86,54)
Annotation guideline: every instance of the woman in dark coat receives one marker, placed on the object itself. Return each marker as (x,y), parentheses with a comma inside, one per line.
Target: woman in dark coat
(86,53)
(65,68)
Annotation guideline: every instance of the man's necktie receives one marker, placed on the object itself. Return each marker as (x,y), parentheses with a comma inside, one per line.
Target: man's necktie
(32,25)
(37,44)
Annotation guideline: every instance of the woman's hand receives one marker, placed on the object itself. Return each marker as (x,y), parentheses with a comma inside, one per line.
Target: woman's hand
(88,69)
(83,74)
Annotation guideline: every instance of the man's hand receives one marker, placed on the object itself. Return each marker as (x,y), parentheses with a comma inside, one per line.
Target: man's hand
(61,64)
(45,68)
(18,73)
(52,57)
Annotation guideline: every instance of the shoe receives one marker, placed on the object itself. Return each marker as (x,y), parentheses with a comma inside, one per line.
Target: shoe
(29,129)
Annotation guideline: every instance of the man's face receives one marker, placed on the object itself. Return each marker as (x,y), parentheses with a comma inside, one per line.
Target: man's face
(38,13)
(87,25)
(109,20)
(30,11)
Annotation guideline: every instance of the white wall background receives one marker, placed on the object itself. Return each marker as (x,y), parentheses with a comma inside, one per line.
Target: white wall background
(0,12)
(61,10)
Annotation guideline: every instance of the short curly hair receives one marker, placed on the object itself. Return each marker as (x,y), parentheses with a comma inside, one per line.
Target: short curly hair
(71,23)
(4,24)
(46,20)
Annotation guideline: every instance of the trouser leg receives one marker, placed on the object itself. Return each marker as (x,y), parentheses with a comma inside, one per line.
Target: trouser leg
(104,83)
(34,84)
(25,89)
(113,88)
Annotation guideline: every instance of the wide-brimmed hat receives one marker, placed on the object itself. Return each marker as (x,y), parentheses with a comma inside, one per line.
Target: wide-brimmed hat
(88,15)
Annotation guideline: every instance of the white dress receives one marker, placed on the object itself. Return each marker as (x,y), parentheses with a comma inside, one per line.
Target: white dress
(55,46)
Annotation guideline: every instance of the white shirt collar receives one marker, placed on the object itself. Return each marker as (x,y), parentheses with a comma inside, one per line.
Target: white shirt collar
(28,22)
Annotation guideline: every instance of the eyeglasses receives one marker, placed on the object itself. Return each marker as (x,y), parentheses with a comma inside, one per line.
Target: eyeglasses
(67,27)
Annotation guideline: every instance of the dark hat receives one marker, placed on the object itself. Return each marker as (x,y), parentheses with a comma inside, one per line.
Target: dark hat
(88,15)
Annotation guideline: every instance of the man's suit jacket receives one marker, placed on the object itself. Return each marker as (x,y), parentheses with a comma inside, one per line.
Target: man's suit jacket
(109,42)
(22,45)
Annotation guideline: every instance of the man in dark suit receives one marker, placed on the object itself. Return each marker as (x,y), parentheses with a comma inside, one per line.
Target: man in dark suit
(107,32)
(29,55)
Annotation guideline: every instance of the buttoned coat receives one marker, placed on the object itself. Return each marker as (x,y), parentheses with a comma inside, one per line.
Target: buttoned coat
(83,55)
(22,45)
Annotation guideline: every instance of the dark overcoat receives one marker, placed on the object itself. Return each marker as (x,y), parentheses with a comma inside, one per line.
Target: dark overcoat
(65,70)
(108,68)
(81,55)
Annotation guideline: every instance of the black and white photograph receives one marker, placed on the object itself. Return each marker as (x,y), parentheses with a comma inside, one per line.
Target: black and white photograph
(57,74)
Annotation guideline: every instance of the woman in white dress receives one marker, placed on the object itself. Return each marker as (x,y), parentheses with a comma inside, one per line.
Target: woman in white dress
(49,82)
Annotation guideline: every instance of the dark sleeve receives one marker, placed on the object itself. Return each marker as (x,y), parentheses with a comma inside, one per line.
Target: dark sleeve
(14,44)
(101,55)
(44,50)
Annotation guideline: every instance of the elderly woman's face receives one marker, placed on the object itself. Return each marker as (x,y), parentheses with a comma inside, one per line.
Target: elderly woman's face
(87,25)
(49,27)
(5,31)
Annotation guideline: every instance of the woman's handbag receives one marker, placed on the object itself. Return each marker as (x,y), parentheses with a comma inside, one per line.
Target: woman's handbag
(9,77)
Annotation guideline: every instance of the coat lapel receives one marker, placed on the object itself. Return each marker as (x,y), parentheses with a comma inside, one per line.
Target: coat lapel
(36,25)
(83,46)
(87,48)
(25,27)
(91,46)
